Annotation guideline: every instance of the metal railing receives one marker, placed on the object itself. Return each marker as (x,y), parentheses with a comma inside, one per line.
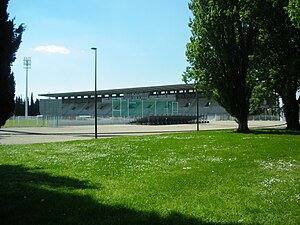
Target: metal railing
(58,121)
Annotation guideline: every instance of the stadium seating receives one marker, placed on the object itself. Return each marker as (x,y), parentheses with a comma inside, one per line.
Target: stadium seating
(159,105)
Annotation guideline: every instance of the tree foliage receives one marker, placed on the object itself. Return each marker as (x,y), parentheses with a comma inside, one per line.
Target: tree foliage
(240,49)
(279,58)
(10,39)
(294,11)
(33,107)
(223,37)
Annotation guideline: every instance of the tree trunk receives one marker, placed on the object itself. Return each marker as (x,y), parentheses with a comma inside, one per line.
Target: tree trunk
(242,111)
(243,125)
(291,112)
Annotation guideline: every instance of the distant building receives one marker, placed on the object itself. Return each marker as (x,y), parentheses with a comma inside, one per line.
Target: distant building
(171,100)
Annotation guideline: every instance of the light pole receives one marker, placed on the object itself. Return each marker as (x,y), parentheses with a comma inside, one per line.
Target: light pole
(95,92)
(197,99)
(27,66)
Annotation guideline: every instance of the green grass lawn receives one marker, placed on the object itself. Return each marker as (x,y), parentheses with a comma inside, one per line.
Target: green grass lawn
(218,177)
(25,123)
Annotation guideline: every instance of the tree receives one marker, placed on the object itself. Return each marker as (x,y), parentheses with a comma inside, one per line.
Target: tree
(294,11)
(34,106)
(19,106)
(31,105)
(223,38)
(36,110)
(10,40)
(279,58)
(264,100)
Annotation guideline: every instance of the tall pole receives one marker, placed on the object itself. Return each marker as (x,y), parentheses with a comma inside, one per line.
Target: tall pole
(27,66)
(197,99)
(95,92)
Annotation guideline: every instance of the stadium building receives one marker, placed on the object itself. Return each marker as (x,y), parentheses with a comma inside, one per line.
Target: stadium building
(169,101)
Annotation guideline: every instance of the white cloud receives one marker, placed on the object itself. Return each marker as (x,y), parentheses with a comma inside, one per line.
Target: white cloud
(52,49)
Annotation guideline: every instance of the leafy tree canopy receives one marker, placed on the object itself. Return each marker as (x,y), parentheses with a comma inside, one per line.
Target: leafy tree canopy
(278,57)
(223,37)
(294,12)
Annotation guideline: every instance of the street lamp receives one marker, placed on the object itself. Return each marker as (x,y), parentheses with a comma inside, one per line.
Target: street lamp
(95,92)
(27,66)
(197,99)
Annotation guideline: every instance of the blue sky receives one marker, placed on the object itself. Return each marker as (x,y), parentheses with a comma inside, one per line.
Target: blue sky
(140,43)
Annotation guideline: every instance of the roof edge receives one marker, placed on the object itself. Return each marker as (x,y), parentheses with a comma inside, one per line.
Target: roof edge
(173,87)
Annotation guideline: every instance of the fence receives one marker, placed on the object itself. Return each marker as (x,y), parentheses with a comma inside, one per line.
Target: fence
(224,117)
(57,121)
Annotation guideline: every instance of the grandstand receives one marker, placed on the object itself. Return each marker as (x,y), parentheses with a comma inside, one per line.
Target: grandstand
(140,102)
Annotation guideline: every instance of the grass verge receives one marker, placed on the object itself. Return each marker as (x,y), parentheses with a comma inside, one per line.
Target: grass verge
(218,177)
(25,123)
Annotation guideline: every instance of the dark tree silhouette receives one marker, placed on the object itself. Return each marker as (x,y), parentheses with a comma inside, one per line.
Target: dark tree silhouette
(19,106)
(10,40)
(33,108)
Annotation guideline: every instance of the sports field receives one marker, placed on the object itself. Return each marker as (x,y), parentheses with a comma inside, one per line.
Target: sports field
(200,178)
(30,135)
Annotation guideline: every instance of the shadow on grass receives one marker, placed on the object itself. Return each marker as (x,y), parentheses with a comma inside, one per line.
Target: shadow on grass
(276,131)
(32,197)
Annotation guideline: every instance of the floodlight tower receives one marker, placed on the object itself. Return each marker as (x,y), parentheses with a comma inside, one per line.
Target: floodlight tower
(27,66)
(197,99)
(95,91)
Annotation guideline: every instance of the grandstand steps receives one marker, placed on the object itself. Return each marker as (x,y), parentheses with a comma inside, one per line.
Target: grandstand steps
(165,120)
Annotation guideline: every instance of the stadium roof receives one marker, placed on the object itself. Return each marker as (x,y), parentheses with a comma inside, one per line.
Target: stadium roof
(174,87)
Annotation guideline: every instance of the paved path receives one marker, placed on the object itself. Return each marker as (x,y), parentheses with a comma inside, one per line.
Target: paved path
(32,135)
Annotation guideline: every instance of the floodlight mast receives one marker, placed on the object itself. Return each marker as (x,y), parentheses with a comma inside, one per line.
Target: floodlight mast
(197,99)
(95,92)
(27,66)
